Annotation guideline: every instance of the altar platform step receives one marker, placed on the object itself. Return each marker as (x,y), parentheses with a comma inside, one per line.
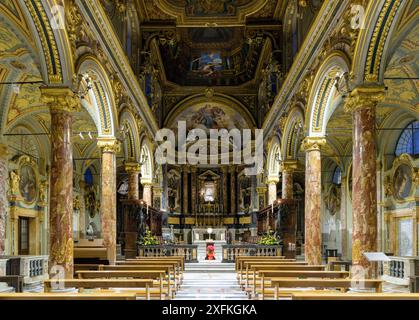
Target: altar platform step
(207,285)
(209,266)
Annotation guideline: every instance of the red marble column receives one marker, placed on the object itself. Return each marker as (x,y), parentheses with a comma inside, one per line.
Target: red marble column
(313,234)
(233,190)
(133,170)
(288,168)
(3,196)
(224,171)
(185,189)
(108,199)
(193,189)
(61,102)
(362,103)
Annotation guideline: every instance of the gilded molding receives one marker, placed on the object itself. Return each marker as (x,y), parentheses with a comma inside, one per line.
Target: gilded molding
(60,99)
(313,143)
(379,38)
(364,97)
(46,35)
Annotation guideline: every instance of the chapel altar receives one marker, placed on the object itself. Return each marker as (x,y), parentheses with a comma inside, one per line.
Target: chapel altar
(202,234)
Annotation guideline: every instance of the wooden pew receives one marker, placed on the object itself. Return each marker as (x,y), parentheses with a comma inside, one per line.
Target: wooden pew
(180,258)
(169,269)
(261,258)
(158,275)
(82,284)
(321,283)
(354,296)
(279,267)
(68,296)
(180,265)
(134,274)
(246,266)
(269,274)
(175,263)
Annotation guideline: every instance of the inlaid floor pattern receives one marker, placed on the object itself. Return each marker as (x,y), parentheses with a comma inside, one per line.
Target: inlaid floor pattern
(210,281)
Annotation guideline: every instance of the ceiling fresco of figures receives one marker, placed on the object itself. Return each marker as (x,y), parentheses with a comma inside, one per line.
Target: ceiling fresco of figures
(211,57)
(210,115)
(404,64)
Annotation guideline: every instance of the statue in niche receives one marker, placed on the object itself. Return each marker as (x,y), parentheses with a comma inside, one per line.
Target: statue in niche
(332,231)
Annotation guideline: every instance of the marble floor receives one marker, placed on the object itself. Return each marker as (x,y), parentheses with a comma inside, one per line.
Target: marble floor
(210,280)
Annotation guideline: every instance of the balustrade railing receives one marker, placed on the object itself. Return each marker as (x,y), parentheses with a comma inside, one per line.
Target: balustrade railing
(189,252)
(231,251)
(33,269)
(397,270)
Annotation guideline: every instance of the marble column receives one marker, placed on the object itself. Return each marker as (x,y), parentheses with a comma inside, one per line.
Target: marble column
(3,196)
(233,190)
(133,170)
(272,192)
(344,218)
(193,189)
(287,168)
(224,192)
(313,233)
(185,190)
(61,102)
(109,147)
(362,104)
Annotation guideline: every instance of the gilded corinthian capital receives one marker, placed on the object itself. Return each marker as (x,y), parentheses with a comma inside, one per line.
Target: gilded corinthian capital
(60,99)
(364,97)
(288,166)
(313,143)
(109,145)
(133,168)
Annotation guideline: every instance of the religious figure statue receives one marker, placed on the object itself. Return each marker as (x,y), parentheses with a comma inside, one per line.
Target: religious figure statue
(387,187)
(76,203)
(43,185)
(14,183)
(332,232)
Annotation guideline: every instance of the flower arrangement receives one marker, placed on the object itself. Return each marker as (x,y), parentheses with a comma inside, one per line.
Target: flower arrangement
(149,239)
(210,252)
(268,239)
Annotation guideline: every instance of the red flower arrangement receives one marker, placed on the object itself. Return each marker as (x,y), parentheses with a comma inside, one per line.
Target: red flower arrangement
(210,252)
